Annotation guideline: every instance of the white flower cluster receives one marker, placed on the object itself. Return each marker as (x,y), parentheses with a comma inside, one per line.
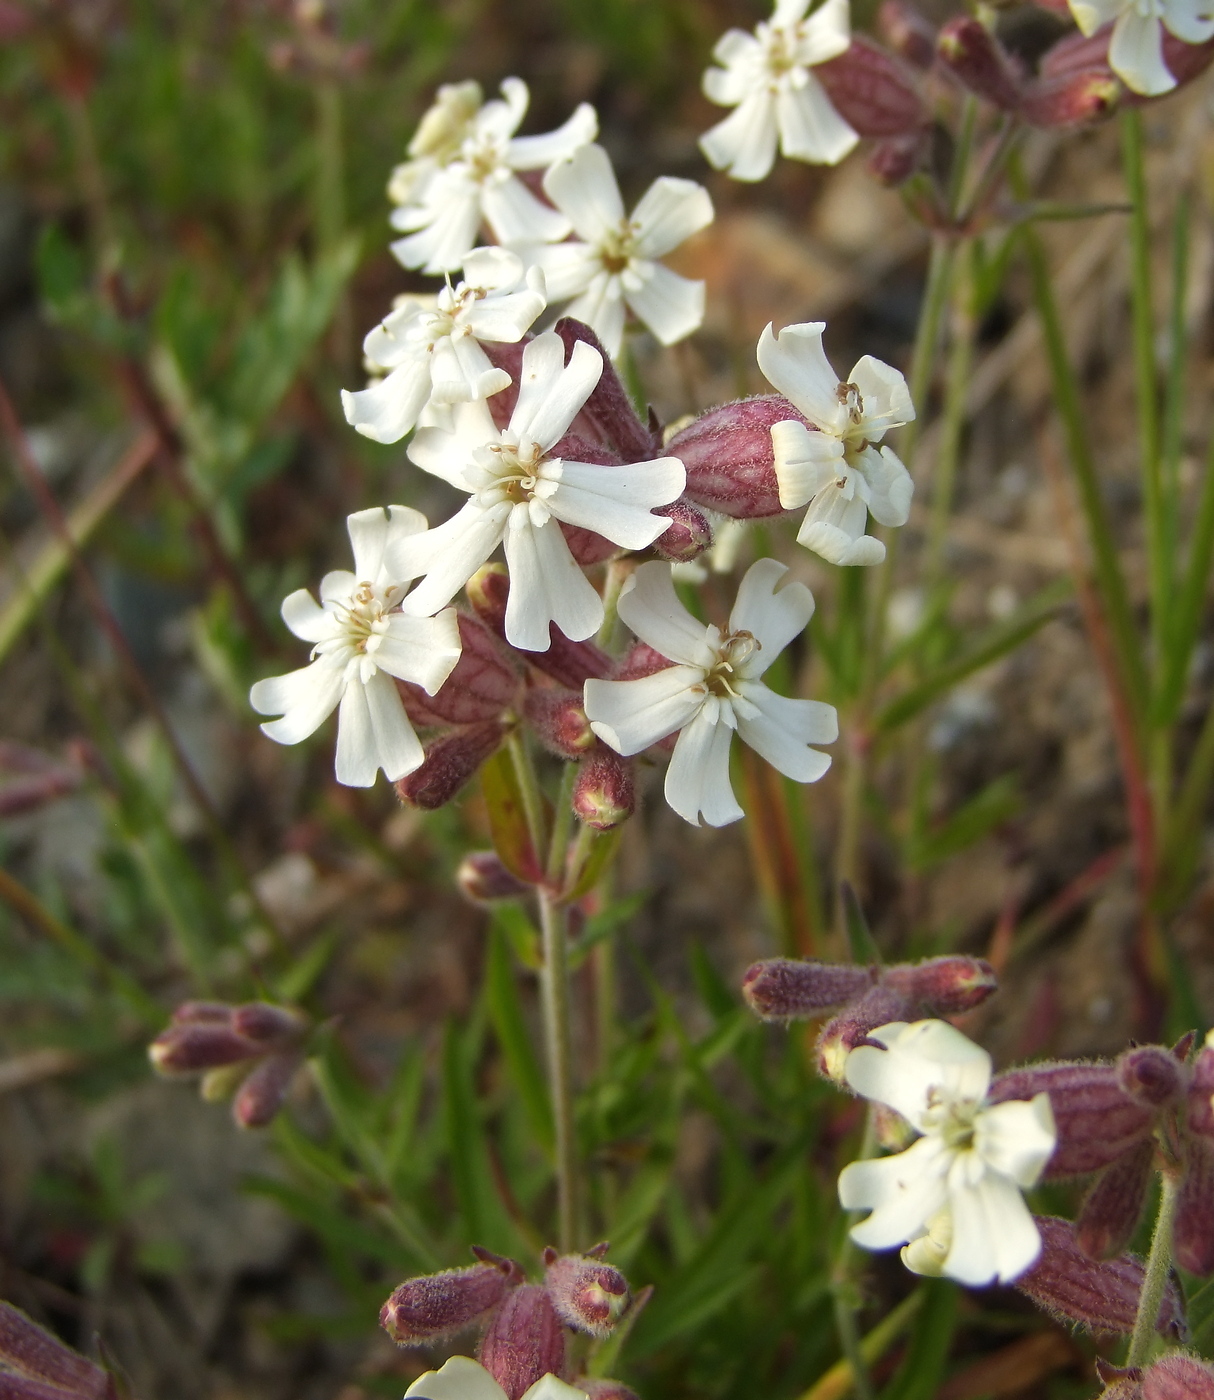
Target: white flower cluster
(1136,43)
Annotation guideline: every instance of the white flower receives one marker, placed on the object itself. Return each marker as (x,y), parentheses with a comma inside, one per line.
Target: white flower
(359,644)
(766,77)
(839,469)
(954,1196)
(433,354)
(714,687)
(461,1378)
(519,494)
(472,180)
(1136,46)
(437,140)
(614,264)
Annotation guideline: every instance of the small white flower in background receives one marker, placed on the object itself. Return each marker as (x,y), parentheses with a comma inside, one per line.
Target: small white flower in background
(359,644)
(437,140)
(461,1378)
(474,182)
(713,687)
(519,494)
(766,77)
(839,470)
(614,265)
(433,354)
(954,1196)
(1136,45)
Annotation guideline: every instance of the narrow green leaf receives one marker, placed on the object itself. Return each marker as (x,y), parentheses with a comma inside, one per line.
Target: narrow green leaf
(995,803)
(860,940)
(922,1369)
(510,1025)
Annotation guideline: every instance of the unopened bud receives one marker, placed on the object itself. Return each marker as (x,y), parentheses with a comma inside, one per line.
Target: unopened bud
(218,1085)
(267,1024)
(434,1306)
(263,1093)
(895,159)
(640,660)
(450,762)
(1151,1076)
(1114,1205)
(689,535)
(1099,1295)
(604,791)
(877,1007)
(215,1013)
(1178,1378)
(588,1295)
(31,1357)
(1071,99)
(484,879)
(1193,1233)
(1096,1120)
(488,591)
(908,32)
(194,1047)
(485,681)
(944,986)
(559,721)
(973,55)
(872,90)
(729,456)
(781,989)
(608,413)
(523,1341)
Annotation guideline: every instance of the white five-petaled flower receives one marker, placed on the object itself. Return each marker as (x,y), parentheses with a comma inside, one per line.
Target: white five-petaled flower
(360,642)
(520,493)
(614,265)
(433,354)
(766,77)
(713,687)
(1136,44)
(839,469)
(461,1378)
(954,1196)
(470,179)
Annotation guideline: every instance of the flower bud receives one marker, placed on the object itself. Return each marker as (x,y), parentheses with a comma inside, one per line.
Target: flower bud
(1193,1233)
(640,660)
(944,986)
(1071,99)
(1101,1296)
(973,55)
(1096,1120)
(483,878)
(192,1047)
(877,1007)
(267,1024)
(895,159)
(219,1084)
(588,1295)
(214,1013)
(587,547)
(523,1341)
(36,1363)
(559,721)
(689,535)
(604,791)
(485,681)
(781,989)
(264,1092)
(1178,1378)
(1114,1205)
(1151,1076)
(450,762)
(908,32)
(729,456)
(432,1307)
(872,90)
(487,591)
(608,414)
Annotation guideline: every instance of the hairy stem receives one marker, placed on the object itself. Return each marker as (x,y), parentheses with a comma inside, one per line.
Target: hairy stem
(1159,1261)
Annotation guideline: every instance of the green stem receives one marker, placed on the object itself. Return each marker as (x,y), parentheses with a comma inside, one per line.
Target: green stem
(554,990)
(529,790)
(843,1284)
(837,1382)
(1159,1262)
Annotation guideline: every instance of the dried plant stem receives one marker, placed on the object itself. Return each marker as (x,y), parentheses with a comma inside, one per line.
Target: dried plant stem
(1159,1262)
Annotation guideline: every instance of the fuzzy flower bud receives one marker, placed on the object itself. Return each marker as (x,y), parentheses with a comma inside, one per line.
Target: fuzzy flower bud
(608,414)
(879,1006)
(263,1093)
(559,721)
(972,53)
(485,681)
(266,1023)
(35,1364)
(193,1048)
(604,791)
(1178,1378)
(1114,1205)
(895,159)
(1070,99)
(1098,1296)
(781,989)
(523,1341)
(1096,1119)
(451,760)
(588,1295)
(483,878)
(689,535)
(1193,1233)
(944,986)
(1151,1076)
(729,456)
(435,1306)
(872,90)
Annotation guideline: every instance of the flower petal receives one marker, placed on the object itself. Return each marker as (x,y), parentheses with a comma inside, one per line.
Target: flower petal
(568,268)
(1089,15)
(903,1193)
(398,750)
(1136,54)
(506,318)
(549,1387)
(535,152)
(796,364)
(784,728)
(460,371)
(304,698)
(446,223)
(386,411)
(492,269)
(887,400)
(994,1235)
(649,605)
(671,306)
(550,392)
(772,616)
(306,618)
(450,554)
(501,118)
(460,1378)
(601,307)
(697,780)
(368,535)
(744,144)
(1189,20)
(446,453)
(516,216)
(616,502)
(423,650)
(669,212)
(834,528)
(890,487)
(826,33)
(1017,1137)
(810,128)
(631,715)
(546,586)
(805,461)
(919,1057)
(584,188)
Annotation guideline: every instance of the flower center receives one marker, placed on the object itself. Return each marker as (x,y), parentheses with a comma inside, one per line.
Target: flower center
(364,617)
(484,158)
(735,650)
(781,49)
(852,400)
(953,1119)
(618,247)
(512,472)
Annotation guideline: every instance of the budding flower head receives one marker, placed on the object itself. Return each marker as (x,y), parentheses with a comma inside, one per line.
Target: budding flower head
(945,986)
(879,1006)
(1178,1377)
(971,52)
(604,791)
(689,535)
(782,989)
(559,721)
(483,878)
(451,760)
(729,457)
(588,1295)
(1151,1075)
(523,1342)
(434,1306)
